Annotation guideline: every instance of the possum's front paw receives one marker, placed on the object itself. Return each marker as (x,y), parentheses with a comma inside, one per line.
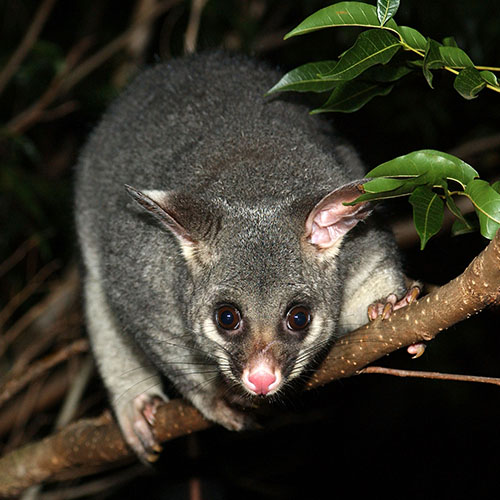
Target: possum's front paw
(231,416)
(136,419)
(385,308)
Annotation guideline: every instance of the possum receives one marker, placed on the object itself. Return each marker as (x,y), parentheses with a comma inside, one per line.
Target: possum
(218,252)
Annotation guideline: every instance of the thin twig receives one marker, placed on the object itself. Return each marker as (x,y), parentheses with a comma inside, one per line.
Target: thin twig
(63,109)
(136,44)
(13,386)
(27,408)
(33,113)
(432,375)
(78,385)
(94,61)
(42,340)
(193,26)
(53,392)
(42,316)
(71,75)
(28,41)
(66,413)
(18,254)
(25,293)
(96,486)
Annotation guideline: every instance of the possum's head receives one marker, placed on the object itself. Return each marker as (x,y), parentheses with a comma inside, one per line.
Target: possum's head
(264,295)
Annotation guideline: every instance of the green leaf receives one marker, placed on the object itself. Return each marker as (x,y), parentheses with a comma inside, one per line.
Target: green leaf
(412,37)
(449,41)
(470,224)
(434,165)
(382,184)
(416,63)
(489,77)
(432,60)
(384,188)
(496,186)
(468,83)
(306,78)
(428,210)
(486,201)
(455,57)
(340,14)
(386,73)
(351,96)
(386,10)
(372,47)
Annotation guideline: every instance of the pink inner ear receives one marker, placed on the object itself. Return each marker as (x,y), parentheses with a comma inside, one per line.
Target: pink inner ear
(330,219)
(329,225)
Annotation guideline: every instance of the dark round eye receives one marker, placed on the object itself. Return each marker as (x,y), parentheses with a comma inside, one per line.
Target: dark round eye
(228,317)
(298,318)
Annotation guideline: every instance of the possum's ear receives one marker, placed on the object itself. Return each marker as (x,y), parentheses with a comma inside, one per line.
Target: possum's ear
(330,219)
(162,205)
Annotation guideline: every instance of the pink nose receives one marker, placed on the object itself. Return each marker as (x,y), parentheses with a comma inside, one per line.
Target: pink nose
(260,381)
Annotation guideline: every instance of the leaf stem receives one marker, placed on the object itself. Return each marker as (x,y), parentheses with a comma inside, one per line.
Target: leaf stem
(487,68)
(447,68)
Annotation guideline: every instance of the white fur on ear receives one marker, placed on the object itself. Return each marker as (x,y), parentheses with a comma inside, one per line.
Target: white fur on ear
(330,219)
(156,202)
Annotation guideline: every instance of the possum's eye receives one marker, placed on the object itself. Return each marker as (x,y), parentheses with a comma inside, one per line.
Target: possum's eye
(228,317)
(298,318)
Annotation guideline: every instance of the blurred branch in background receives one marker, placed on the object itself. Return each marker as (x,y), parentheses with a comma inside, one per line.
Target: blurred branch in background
(74,71)
(27,43)
(193,27)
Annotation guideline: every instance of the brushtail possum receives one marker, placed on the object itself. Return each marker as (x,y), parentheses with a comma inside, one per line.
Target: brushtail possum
(216,245)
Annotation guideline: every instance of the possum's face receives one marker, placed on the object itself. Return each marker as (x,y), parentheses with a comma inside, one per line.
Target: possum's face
(263,300)
(262,336)
(259,305)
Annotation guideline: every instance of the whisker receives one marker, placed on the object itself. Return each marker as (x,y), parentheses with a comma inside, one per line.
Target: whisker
(123,394)
(165,363)
(201,385)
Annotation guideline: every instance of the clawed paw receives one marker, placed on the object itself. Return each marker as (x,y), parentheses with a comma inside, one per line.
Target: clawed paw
(230,417)
(137,419)
(385,309)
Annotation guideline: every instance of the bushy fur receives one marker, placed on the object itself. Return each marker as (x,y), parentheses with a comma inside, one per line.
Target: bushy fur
(241,173)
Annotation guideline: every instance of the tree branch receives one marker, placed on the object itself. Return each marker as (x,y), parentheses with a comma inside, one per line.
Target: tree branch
(28,41)
(87,444)
(381,370)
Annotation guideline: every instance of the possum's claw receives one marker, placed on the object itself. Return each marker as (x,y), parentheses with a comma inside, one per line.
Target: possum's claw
(416,349)
(137,419)
(385,309)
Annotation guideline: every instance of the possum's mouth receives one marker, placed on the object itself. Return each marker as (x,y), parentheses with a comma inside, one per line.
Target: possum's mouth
(257,379)
(262,379)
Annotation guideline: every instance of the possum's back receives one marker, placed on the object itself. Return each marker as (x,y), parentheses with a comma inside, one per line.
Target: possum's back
(196,125)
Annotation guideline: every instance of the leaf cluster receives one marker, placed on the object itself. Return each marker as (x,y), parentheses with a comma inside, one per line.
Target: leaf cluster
(382,54)
(431,179)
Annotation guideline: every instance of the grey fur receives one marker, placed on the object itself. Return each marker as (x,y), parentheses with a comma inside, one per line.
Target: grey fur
(241,173)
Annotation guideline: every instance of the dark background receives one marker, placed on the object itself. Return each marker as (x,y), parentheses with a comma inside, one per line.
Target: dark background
(368,435)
